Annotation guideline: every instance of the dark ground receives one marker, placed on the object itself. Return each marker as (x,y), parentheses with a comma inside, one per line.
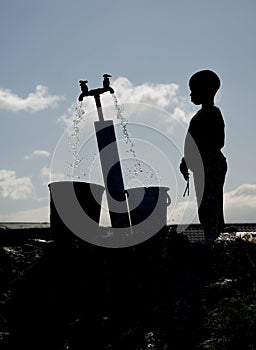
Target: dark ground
(166,293)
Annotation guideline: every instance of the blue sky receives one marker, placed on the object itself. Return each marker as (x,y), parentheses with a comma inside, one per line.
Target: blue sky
(151,48)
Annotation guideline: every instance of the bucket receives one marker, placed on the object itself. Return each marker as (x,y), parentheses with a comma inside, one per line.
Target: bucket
(148,207)
(74,210)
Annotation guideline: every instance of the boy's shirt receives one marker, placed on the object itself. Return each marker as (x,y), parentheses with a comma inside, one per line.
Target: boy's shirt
(206,134)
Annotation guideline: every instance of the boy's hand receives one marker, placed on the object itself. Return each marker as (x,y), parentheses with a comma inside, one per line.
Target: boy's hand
(184,169)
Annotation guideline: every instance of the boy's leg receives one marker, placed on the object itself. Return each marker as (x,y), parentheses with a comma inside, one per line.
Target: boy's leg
(210,208)
(210,214)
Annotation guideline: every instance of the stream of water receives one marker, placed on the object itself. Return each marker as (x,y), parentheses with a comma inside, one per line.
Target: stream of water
(123,122)
(74,139)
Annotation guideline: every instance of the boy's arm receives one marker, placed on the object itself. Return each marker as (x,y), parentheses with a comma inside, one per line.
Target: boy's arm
(184,169)
(219,131)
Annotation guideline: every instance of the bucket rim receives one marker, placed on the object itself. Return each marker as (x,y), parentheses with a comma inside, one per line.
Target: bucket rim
(75,182)
(134,188)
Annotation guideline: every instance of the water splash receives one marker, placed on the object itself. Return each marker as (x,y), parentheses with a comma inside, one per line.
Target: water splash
(74,139)
(123,122)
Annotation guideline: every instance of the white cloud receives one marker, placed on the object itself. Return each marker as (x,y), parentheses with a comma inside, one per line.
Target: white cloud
(36,154)
(14,187)
(67,118)
(161,96)
(158,95)
(49,176)
(31,215)
(240,204)
(35,101)
(45,172)
(185,212)
(247,191)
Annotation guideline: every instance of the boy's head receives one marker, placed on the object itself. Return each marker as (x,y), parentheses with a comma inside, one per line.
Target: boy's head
(204,85)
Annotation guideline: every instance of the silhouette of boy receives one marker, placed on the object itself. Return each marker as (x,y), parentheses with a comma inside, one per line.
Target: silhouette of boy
(202,153)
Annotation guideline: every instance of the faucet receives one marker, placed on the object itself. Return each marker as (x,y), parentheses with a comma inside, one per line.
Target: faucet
(95,92)
(106,83)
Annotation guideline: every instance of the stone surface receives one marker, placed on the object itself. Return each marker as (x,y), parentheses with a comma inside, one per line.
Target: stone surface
(166,293)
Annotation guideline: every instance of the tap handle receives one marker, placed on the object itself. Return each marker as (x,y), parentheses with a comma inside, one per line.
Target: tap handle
(106,81)
(84,89)
(83,85)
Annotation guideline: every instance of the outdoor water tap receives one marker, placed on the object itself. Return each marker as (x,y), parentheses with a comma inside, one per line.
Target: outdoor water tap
(106,83)
(109,157)
(95,92)
(84,89)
